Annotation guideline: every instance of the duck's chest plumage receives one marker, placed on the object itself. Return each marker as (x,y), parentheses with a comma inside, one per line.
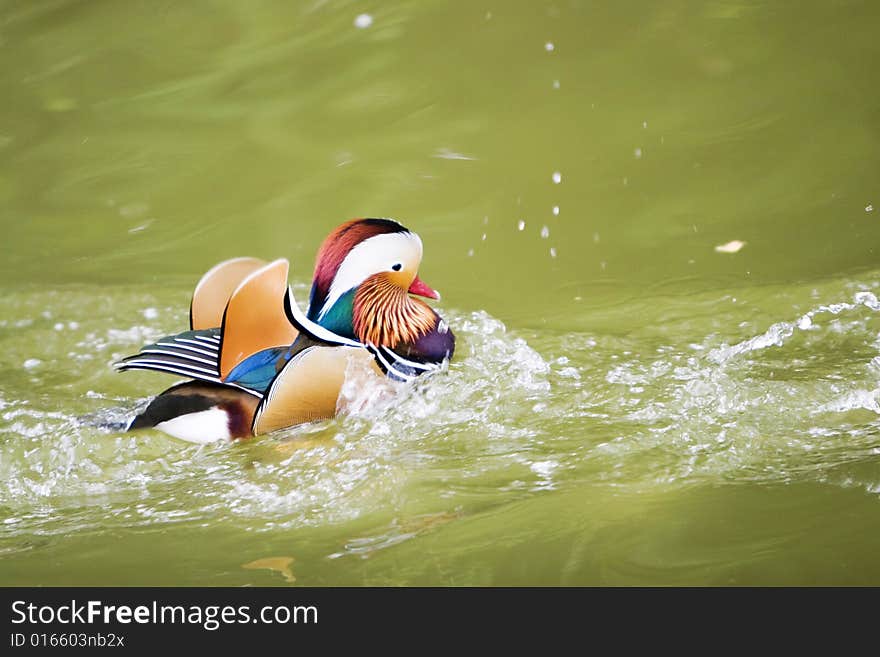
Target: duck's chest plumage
(435,346)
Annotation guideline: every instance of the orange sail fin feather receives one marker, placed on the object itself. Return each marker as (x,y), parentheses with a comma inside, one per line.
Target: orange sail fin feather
(254,319)
(257,363)
(214,289)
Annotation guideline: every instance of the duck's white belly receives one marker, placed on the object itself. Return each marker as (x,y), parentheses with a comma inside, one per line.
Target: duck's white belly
(202,427)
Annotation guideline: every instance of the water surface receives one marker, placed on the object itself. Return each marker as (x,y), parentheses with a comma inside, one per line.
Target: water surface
(627,404)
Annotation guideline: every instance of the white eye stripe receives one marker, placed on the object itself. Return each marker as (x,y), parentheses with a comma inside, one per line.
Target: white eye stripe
(370,257)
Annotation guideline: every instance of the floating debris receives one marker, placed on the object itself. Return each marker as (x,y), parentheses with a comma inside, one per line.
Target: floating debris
(279,565)
(869,208)
(731,247)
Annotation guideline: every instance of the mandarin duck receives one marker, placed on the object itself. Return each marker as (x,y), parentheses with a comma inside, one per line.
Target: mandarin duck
(257,363)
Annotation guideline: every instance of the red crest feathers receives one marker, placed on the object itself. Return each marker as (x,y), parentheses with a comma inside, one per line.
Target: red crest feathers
(338,245)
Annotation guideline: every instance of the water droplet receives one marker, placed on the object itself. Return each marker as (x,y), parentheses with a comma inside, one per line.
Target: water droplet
(730,247)
(470,253)
(595,238)
(549,47)
(556,84)
(638,153)
(484,237)
(555,210)
(552,252)
(557,177)
(645,125)
(869,208)
(521,225)
(31,363)
(545,232)
(363,21)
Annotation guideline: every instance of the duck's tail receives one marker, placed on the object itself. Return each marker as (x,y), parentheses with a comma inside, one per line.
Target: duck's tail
(200,412)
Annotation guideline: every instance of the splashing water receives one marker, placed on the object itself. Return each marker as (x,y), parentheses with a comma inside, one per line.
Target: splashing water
(78,460)
(510,418)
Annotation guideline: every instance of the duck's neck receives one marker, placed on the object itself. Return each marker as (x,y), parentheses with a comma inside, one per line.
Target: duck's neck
(338,318)
(384,314)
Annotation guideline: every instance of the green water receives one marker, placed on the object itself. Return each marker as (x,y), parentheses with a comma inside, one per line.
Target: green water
(627,405)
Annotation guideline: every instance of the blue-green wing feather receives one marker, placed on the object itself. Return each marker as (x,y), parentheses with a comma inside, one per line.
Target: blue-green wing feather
(257,371)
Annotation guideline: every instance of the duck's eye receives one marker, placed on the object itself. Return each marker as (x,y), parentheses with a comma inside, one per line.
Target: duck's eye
(397,266)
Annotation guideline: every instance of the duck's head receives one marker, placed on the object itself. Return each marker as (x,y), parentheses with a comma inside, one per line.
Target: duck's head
(362,254)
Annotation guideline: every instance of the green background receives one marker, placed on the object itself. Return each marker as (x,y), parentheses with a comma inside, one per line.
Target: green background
(627,406)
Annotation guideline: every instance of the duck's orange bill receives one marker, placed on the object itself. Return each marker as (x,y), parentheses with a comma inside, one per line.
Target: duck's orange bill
(418,287)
